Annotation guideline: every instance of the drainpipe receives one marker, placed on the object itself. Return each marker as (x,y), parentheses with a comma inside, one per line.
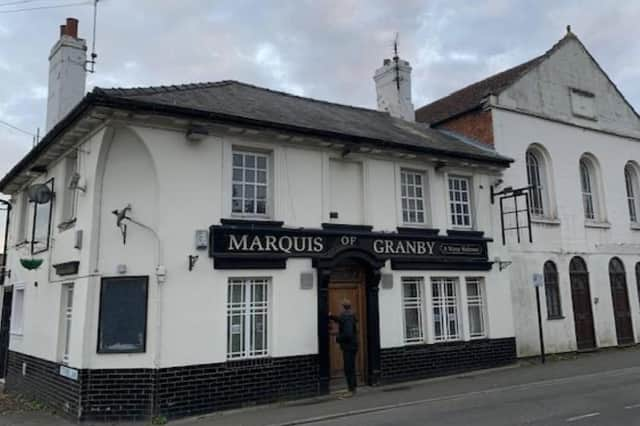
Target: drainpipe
(6,238)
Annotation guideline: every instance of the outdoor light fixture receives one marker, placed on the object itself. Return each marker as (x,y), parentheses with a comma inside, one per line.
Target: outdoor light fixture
(439,165)
(196,133)
(502,264)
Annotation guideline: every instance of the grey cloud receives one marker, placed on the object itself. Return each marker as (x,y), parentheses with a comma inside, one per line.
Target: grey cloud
(325,49)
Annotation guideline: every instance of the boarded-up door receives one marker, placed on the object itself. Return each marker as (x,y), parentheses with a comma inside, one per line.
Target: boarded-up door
(581,300)
(347,282)
(620,298)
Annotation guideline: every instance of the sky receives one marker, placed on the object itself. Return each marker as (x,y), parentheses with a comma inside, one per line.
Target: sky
(325,49)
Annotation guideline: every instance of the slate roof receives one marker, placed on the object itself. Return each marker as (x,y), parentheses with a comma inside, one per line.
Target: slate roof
(471,97)
(240,103)
(241,100)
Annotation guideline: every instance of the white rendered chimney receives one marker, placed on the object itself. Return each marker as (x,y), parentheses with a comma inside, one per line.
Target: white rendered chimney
(67,75)
(393,87)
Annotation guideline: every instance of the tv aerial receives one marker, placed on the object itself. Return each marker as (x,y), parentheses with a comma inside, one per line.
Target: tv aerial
(90,64)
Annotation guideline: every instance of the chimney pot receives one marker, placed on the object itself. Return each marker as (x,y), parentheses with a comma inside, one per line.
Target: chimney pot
(72,27)
(63,30)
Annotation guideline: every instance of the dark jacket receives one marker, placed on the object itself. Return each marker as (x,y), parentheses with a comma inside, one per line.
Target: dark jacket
(347,330)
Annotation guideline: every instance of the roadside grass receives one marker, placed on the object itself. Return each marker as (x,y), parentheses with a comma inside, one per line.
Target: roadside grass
(18,403)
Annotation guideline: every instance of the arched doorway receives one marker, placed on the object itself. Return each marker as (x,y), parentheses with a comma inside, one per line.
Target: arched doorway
(581,300)
(352,274)
(620,298)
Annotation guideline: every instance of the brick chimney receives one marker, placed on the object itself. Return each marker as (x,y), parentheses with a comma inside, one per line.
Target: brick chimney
(393,87)
(67,75)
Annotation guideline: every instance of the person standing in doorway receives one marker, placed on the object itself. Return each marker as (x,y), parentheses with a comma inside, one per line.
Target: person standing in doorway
(348,340)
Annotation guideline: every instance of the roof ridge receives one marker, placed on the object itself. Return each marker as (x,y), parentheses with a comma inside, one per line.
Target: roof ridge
(306,98)
(520,70)
(145,90)
(163,88)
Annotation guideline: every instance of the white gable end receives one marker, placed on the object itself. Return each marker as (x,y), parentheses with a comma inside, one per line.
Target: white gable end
(568,85)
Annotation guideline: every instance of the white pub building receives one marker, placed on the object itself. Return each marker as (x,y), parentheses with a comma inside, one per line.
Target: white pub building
(176,250)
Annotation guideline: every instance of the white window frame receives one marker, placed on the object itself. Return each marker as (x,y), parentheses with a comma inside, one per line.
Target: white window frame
(445,304)
(536,178)
(243,183)
(406,200)
(17,324)
(413,303)
(587,183)
(632,191)
(248,310)
(452,203)
(66,320)
(479,301)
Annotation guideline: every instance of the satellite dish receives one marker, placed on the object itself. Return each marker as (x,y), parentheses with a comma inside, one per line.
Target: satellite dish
(39,193)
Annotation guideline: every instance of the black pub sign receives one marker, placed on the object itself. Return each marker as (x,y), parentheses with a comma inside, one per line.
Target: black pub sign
(250,245)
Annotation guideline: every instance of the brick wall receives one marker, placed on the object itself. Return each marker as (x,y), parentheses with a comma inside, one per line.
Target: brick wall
(423,361)
(477,125)
(117,395)
(197,389)
(44,383)
(139,394)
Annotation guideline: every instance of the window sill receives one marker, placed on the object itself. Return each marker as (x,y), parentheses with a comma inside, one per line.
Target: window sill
(596,224)
(16,333)
(541,220)
(634,226)
(554,318)
(67,224)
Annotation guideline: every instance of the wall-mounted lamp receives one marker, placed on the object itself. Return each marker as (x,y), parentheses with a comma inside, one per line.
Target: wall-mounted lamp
(193,258)
(196,133)
(502,264)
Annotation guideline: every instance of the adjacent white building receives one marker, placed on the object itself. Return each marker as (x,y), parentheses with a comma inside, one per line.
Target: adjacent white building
(194,238)
(576,141)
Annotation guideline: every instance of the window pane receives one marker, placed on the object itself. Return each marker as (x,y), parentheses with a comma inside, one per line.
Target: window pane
(247,317)
(459,201)
(250,183)
(123,314)
(262,162)
(411,196)
(445,308)
(475,306)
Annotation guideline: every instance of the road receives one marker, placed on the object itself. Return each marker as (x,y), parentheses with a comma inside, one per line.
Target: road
(608,398)
(601,388)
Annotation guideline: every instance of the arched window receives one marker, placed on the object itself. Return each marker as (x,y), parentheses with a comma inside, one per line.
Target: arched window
(590,192)
(536,179)
(631,183)
(552,290)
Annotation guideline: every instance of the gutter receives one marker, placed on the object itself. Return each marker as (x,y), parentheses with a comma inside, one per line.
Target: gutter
(3,266)
(99,98)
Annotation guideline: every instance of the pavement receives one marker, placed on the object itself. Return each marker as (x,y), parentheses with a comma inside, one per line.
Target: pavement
(599,388)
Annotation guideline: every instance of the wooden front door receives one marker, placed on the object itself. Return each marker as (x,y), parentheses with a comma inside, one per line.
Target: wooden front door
(5,326)
(581,299)
(620,298)
(347,282)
